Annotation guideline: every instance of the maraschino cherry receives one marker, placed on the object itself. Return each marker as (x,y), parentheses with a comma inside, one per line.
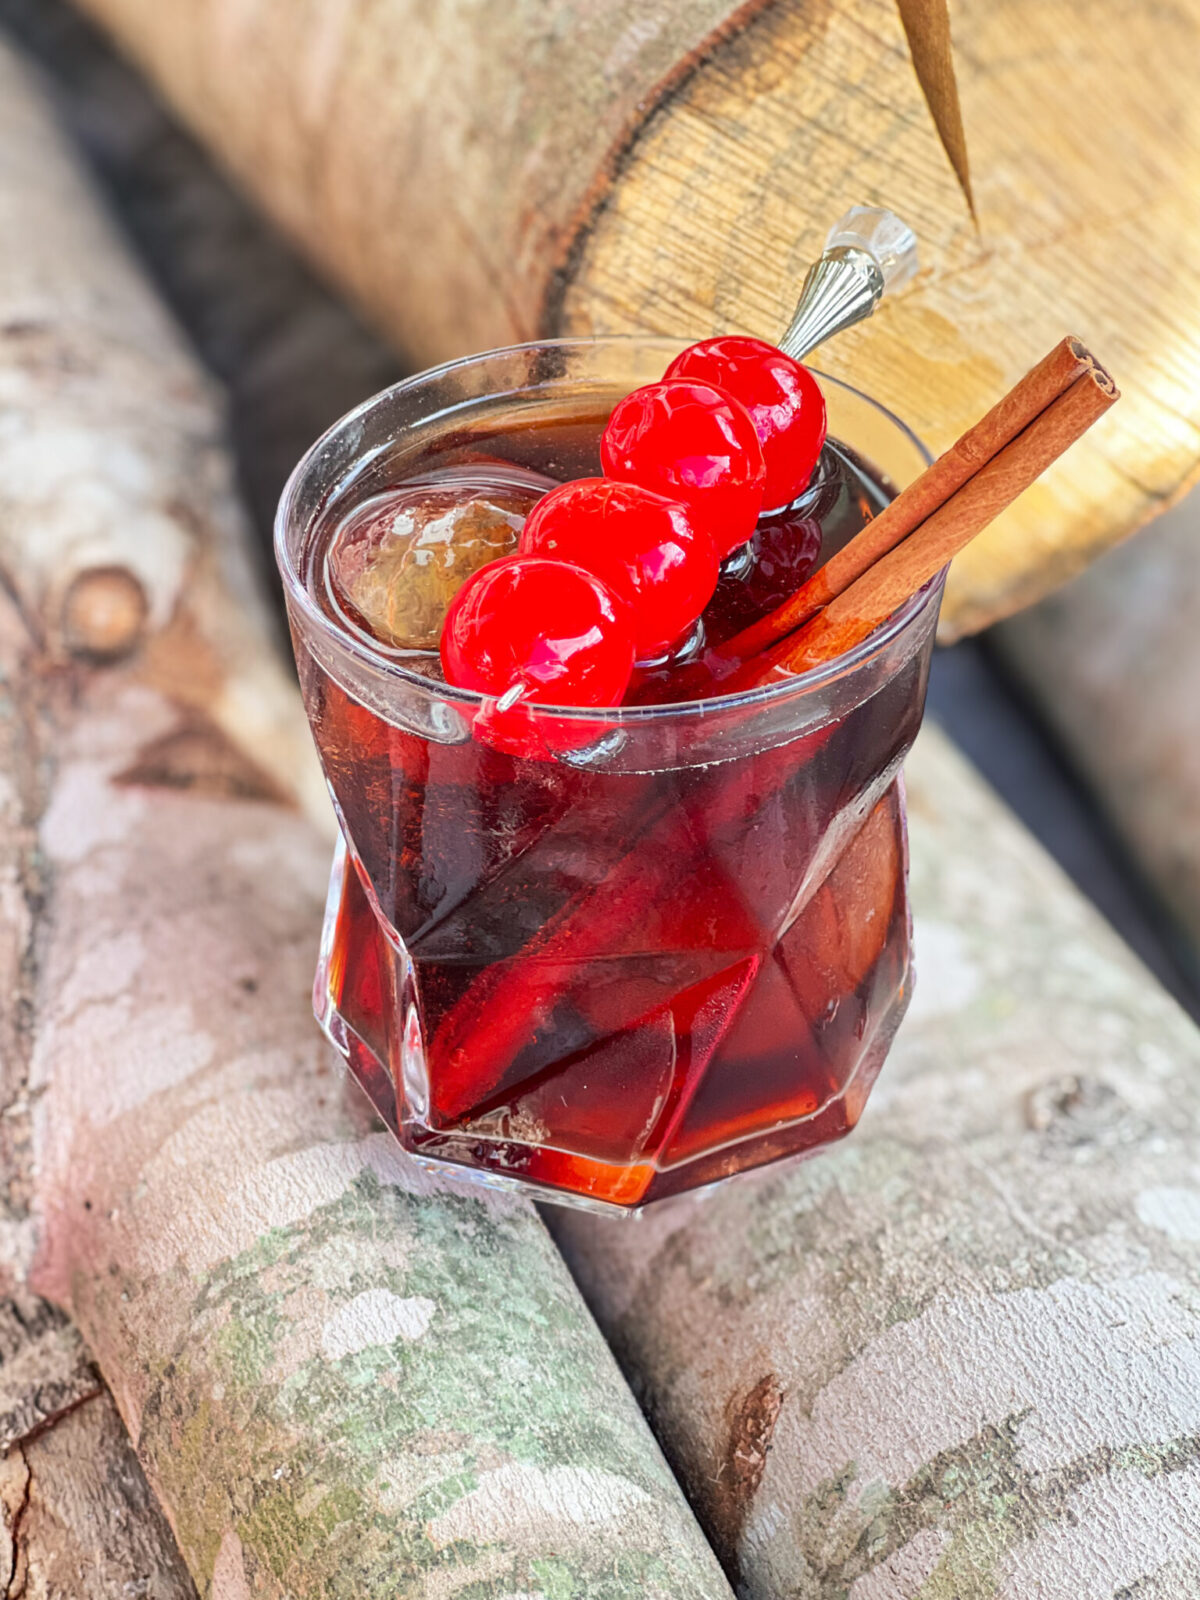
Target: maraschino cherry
(689,441)
(783,399)
(645,547)
(782,554)
(546,631)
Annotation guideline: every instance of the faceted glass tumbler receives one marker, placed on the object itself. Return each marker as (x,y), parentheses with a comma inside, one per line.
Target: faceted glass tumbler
(664,944)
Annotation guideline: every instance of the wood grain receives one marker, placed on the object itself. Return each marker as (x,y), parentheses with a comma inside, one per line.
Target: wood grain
(1086,156)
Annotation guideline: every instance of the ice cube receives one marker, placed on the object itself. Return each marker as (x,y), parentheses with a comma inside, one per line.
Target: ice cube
(398,559)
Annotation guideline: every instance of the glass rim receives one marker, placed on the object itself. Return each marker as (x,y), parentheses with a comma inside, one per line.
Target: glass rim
(797,686)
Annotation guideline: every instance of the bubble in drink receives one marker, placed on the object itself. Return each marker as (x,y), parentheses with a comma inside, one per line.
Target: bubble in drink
(398,559)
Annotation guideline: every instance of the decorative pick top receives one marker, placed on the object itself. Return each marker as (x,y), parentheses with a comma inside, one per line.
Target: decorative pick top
(867,252)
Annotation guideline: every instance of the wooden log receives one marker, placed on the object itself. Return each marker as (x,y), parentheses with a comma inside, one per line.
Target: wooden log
(958,1356)
(262,322)
(340,1378)
(474,175)
(76,1514)
(1113,662)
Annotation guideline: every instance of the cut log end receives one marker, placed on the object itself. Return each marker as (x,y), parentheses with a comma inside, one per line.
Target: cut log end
(104,614)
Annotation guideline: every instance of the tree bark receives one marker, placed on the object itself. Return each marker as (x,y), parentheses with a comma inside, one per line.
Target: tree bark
(76,1514)
(611,167)
(958,1358)
(342,1379)
(263,324)
(1113,663)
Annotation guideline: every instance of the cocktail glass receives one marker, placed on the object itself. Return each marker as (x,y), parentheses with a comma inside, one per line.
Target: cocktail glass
(645,948)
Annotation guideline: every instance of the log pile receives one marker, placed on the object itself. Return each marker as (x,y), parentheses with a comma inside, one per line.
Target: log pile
(954,1357)
(674,169)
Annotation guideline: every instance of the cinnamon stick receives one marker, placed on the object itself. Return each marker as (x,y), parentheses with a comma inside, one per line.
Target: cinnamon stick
(1037,390)
(853,614)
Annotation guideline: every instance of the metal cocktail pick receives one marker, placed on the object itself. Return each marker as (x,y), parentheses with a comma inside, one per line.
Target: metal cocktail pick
(867,252)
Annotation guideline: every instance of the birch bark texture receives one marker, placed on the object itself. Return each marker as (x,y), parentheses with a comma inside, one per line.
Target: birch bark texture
(615,167)
(1113,663)
(958,1357)
(341,1379)
(76,1514)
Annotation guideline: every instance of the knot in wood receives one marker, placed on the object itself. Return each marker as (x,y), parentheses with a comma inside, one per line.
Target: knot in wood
(1077,1110)
(104,612)
(750,1428)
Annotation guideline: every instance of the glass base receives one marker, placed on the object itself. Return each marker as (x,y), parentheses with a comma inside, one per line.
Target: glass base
(365,1000)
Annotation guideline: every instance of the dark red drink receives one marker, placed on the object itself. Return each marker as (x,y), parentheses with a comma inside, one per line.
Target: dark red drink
(641,949)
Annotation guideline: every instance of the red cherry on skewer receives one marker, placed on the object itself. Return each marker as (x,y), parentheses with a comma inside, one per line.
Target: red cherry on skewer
(690,442)
(783,398)
(547,629)
(783,552)
(645,547)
